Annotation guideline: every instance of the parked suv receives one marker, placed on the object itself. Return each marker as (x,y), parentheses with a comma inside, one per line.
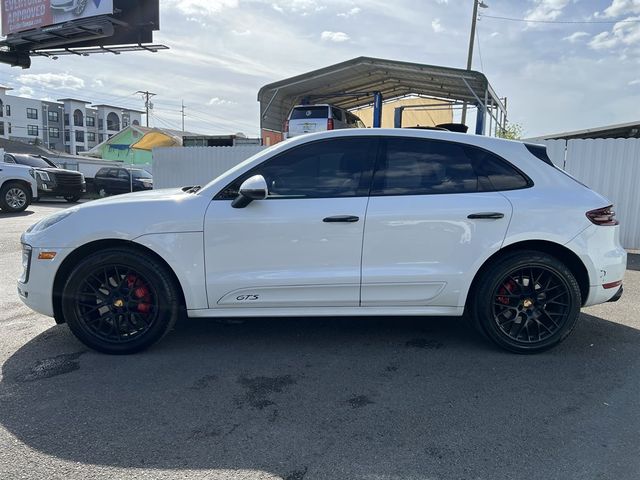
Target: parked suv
(52,181)
(317,118)
(17,188)
(117,180)
(357,222)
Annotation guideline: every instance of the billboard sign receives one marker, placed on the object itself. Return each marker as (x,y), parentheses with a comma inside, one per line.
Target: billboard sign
(19,15)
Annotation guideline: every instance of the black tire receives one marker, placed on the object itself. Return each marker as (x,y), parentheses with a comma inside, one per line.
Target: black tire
(104,297)
(72,198)
(15,197)
(522,315)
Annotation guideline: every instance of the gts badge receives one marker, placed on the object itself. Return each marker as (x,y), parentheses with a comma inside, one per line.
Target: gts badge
(247,298)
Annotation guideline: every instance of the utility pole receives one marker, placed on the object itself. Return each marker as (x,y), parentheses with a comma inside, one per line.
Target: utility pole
(472,37)
(183,115)
(147,104)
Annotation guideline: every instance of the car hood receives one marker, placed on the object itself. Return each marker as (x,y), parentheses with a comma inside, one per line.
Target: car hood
(56,170)
(124,217)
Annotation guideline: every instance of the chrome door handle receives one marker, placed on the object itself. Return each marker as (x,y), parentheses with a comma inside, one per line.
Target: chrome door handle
(486,216)
(341,219)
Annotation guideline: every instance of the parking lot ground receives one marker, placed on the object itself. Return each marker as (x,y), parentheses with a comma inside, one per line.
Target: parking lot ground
(331,398)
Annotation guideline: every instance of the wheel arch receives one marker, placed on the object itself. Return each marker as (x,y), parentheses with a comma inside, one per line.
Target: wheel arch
(562,253)
(21,181)
(87,249)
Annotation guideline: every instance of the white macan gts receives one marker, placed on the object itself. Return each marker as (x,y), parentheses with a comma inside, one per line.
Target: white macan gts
(350,222)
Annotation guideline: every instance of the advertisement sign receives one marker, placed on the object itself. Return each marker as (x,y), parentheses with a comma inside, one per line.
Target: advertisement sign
(19,15)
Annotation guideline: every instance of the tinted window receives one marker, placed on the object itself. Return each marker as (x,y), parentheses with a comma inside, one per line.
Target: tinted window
(102,172)
(495,173)
(412,166)
(539,151)
(123,174)
(302,113)
(140,174)
(36,162)
(337,113)
(330,168)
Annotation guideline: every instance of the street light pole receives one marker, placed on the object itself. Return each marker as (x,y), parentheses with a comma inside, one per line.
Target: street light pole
(472,37)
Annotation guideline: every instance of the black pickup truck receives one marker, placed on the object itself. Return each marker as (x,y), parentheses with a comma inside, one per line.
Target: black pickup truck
(52,181)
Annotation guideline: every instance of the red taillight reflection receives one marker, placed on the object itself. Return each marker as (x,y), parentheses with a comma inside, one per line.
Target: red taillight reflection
(330,124)
(286,126)
(603,216)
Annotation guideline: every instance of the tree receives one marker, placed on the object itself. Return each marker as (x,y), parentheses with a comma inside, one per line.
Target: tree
(511,131)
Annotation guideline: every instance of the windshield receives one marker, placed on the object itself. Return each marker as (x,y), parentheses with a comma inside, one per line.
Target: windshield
(36,162)
(141,174)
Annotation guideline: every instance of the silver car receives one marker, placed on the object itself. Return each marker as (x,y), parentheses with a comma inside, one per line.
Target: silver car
(319,118)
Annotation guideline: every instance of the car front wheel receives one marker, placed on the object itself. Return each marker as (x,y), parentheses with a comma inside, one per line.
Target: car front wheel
(527,302)
(14,197)
(118,301)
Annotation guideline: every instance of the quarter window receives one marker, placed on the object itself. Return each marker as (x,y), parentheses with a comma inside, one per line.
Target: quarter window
(324,169)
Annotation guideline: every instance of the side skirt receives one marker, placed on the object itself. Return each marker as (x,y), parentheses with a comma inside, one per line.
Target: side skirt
(432,311)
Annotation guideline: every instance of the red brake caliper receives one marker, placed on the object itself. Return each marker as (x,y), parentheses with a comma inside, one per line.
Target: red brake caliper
(507,289)
(141,292)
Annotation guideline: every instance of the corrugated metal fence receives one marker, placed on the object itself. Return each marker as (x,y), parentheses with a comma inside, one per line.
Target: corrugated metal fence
(611,167)
(177,167)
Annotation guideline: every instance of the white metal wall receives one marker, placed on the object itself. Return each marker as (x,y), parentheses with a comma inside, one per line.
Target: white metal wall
(182,166)
(611,167)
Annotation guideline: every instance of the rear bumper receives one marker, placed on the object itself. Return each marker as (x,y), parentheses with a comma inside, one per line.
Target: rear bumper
(617,296)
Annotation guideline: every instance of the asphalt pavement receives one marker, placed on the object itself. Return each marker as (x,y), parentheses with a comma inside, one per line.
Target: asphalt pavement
(329,398)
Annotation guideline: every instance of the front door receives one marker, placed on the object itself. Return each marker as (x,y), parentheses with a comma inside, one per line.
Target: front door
(302,246)
(434,215)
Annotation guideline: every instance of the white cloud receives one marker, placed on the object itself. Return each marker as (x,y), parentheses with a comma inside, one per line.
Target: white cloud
(241,33)
(494,34)
(437,26)
(55,81)
(622,34)
(204,7)
(634,82)
(574,37)
(546,9)
(622,7)
(350,13)
(97,83)
(220,101)
(337,37)
(26,92)
(302,7)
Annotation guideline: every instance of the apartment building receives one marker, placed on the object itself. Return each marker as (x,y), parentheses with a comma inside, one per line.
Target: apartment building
(70,125)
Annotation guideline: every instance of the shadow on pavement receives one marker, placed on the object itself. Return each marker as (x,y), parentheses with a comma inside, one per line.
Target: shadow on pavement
(389,398)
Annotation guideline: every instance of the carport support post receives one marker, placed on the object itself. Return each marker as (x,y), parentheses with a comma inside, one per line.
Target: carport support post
(480,119)
(377,109)
(397,117)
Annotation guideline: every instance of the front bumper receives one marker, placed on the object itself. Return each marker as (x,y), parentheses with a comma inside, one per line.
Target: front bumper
(37,291)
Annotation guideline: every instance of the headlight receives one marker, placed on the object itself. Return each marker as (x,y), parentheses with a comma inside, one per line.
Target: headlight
(51,220)
(43,176)
(26,263)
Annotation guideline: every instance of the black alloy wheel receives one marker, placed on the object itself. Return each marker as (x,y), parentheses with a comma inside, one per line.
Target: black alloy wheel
(527,302)
(119,302)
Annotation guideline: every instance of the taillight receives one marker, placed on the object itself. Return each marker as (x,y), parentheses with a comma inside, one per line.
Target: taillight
(286,126)
(603,216)
(330,124)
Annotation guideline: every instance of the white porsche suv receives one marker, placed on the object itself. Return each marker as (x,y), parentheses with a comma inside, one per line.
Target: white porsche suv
(350,222)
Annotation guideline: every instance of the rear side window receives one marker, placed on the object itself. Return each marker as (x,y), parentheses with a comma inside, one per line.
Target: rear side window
(302,113)
(102,172)
(412,166)
(540,152)
(337,114)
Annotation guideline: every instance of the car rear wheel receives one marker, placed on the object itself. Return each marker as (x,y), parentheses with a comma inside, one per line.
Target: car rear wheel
(14,197)
(119,302)
(526,302)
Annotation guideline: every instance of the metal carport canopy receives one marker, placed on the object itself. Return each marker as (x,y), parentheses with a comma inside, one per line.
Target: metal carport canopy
(366,75)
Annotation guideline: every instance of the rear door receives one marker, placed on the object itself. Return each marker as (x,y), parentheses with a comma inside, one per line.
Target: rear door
(433,216)
(308,119)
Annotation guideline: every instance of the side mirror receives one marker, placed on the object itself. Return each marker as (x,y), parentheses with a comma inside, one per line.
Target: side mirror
(254,188)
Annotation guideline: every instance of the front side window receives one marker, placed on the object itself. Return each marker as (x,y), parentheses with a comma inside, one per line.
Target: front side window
(414,166)
(123,174)
(324,169)
(32,113)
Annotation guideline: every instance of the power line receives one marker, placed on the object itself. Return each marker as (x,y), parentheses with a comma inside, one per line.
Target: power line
(511,19)
(147,104)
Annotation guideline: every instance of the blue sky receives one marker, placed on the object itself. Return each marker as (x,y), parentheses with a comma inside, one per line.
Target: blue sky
(557,77)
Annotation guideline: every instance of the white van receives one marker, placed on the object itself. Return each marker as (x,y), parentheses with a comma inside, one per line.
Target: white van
(318,118)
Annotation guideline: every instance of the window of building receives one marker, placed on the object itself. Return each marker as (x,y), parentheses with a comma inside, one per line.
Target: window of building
(1,108)
(9,128)
(1,128)
(52,146)
(100,123)
(79,136)
(100,138)
(78,118)
(33,130)
(91,121)
(67,136)
(136,122)
(66,119)
(32,113)
(91,136)
(8,110)
(54,132)
(324,169)
(53,116)
(113,122)
(67,149)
